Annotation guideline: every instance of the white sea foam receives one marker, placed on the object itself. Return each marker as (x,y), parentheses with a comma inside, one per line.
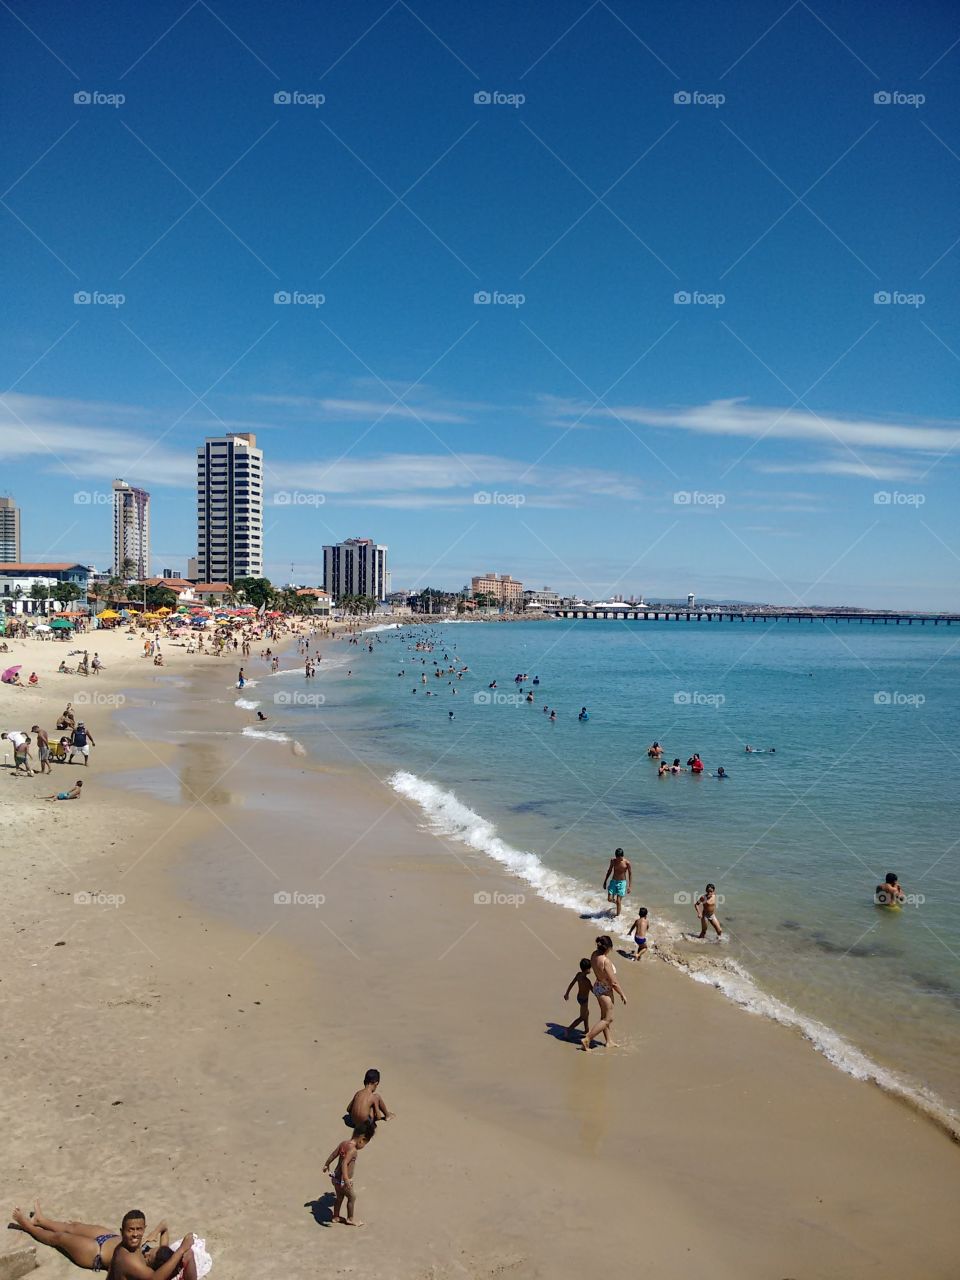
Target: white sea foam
(244,705)
(448,816)
(251,732)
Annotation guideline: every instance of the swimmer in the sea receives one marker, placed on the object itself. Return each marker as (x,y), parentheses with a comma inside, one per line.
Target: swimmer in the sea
(889,894)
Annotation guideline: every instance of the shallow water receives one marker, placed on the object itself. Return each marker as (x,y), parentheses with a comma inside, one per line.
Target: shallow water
(863,718)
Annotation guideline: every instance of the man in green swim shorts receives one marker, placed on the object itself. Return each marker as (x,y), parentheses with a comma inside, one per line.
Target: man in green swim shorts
(618,881)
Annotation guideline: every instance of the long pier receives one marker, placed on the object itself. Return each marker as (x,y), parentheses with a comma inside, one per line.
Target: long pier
(660,613)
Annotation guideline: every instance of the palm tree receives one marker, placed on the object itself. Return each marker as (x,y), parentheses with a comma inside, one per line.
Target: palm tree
(40,592)
(128,568)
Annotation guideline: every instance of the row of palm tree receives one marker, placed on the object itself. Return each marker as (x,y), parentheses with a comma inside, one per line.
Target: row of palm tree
(357,604)
(63,592)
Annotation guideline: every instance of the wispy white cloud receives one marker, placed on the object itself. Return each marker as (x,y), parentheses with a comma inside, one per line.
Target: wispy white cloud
(868,469)
(335,409)
(735,417)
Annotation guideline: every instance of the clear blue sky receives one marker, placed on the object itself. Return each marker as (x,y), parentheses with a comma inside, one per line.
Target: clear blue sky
(782,411)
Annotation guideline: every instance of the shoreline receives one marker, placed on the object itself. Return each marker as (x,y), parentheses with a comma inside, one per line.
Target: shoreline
(404,969)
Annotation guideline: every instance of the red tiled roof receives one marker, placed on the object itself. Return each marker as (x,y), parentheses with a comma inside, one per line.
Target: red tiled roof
(211,586)
(313,591)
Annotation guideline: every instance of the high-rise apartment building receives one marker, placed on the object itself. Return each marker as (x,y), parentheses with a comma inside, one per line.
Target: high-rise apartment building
(229,508)
(131,531)
(9,531)
(356,567)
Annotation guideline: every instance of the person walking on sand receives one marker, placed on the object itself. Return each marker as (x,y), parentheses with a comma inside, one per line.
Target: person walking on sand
(706,908)
(345,1155)
(581,980)
(618,881)
(603,988)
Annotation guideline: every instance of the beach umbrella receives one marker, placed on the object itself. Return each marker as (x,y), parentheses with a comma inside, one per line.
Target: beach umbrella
(61,623)
(163,611)
(9,674)
(41,626)
(109,613)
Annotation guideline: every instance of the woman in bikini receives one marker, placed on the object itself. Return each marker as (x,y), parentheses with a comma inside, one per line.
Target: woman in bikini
(604,986)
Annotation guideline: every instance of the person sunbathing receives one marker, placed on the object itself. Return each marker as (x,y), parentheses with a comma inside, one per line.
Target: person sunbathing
(91,1247)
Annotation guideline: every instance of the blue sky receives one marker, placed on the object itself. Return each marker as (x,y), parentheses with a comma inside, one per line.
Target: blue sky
(780,436)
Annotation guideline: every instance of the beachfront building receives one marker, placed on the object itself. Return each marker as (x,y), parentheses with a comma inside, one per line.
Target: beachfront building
(229,508)
(357,567)
(504,591)
(545,600)
(131,531)
(321,602)
(17,582)
(9,531)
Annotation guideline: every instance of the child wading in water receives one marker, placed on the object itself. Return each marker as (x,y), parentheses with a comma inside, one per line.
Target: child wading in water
(342,1177)
(584,985)
(706,908)
(639,931)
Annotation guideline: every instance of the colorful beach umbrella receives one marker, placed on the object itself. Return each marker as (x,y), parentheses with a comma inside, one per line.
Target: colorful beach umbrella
(9,674)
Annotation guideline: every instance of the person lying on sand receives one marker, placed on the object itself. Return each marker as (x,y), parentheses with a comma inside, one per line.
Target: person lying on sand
(342,1177)
(72,794)
(196,1262)
(367,1103)
(85,1244)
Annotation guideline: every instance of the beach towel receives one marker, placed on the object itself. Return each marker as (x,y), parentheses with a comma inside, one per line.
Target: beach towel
(200,1256)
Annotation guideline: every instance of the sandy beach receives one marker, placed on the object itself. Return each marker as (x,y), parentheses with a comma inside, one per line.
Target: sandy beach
(177,1038)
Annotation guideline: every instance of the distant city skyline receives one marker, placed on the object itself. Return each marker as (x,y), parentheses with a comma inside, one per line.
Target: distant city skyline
(628,302)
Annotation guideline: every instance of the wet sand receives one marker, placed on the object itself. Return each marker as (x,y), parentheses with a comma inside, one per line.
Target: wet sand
(192,1049)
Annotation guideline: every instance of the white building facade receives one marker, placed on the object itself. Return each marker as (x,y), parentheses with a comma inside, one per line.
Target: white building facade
(356,567)
(229,509)
(131,530)
(9,531)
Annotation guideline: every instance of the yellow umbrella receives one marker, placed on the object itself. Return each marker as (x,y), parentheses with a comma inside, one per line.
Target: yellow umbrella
(164,611)
(109,613)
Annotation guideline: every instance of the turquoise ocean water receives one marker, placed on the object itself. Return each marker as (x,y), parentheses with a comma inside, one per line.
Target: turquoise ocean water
(866,725)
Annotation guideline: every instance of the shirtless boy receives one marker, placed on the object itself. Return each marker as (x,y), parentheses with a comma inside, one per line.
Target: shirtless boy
(367,1103)
(706,908)
(583,982)
(618,881)
(639,931)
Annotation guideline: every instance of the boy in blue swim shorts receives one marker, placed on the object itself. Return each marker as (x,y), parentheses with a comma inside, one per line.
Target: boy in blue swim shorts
(618,881)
